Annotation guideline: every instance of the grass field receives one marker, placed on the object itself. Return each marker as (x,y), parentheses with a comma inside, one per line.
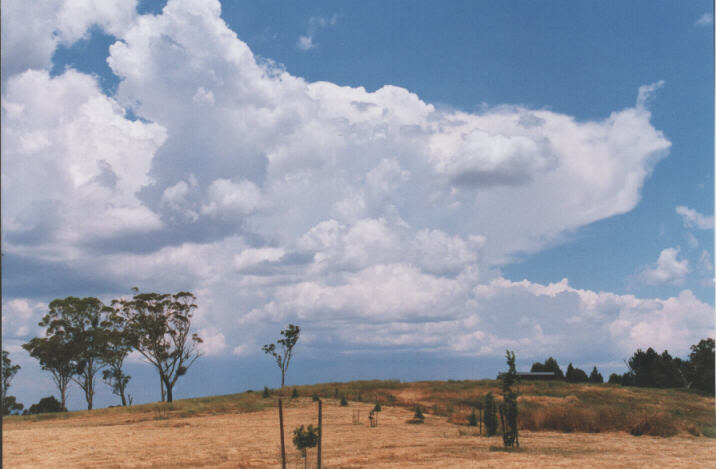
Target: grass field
(241,430)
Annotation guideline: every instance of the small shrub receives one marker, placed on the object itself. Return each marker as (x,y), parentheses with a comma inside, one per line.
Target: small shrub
(377,407)
(315,397)
(490,417)
(344,402)
(472,419)
(304,439)
(418,417)
(267,392)
(654,425)
(294,393)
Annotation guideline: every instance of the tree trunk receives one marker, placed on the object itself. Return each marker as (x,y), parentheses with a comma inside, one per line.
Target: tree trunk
(89,390)
(161,384)
(283,376)
(169,386)
(121,393)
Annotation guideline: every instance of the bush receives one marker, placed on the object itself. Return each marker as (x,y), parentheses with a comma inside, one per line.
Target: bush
(654,425)
(294,393)
(418,414)
(377,407)
(46,404)
(595,376)
(344,402)
(10,406)
(490,417)
(472,419)
(315,397)
(267,392)
(418,417)
(304,439)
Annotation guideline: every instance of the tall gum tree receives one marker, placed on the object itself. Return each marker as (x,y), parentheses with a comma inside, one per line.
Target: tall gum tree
(78,321)
(158,327)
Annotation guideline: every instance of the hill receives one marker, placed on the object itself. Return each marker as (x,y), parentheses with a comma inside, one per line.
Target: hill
(241,430)
(544,405)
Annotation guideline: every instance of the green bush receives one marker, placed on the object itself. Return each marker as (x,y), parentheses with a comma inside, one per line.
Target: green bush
(490,417)
(267,392)
(315,397)
(377,407)
(46,404)
(344,402)
(294,393)
(472,419)
(418,414)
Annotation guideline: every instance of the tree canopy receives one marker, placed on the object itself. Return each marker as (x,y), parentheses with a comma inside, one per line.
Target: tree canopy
(158,326)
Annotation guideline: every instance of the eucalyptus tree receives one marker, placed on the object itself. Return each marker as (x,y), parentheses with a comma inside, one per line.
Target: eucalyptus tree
(55,355)
(78,323)
(9,403)
(158,326)
(283,356)
(117,347)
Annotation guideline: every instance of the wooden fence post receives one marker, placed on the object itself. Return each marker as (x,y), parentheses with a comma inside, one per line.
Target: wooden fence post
(283,445)
(320,431)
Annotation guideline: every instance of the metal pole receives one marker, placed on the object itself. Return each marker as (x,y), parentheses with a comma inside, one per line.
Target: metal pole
(283,445)
(320,431)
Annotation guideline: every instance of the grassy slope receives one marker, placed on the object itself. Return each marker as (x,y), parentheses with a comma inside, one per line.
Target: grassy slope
(547,405)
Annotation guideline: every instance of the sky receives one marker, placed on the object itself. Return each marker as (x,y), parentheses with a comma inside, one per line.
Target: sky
(419,186)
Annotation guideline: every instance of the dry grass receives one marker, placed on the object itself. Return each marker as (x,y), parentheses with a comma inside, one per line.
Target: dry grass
(137,438)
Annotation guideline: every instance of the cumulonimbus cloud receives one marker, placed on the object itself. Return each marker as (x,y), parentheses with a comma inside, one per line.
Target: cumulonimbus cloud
(295,200)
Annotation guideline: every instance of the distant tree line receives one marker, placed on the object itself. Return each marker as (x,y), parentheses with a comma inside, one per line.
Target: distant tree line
(84,337)
(653,370)
(650,369)
(573,375)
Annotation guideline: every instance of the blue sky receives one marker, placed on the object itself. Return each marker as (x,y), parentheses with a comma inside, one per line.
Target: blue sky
(420,186)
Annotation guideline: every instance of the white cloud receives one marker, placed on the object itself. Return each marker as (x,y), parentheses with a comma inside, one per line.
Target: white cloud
(214,342)
(668,268)
(231,199)
(32,29)
(706,19)
(72,163)
(307,42)
(692,218)
(20,317)
(275,199)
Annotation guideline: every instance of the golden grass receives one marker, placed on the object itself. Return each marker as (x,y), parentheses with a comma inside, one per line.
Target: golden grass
(138,438)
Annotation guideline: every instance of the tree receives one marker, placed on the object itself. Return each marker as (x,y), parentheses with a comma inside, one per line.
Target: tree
(490,417)
(118,345)
(595,376)
(47,404)
(653,370)
(576,375)
(508,408)
(79,322)
(158,326)
(702,360)
(55,355)
(283,357)
(9,403)
(8,372)
(549,365)
(304,439)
